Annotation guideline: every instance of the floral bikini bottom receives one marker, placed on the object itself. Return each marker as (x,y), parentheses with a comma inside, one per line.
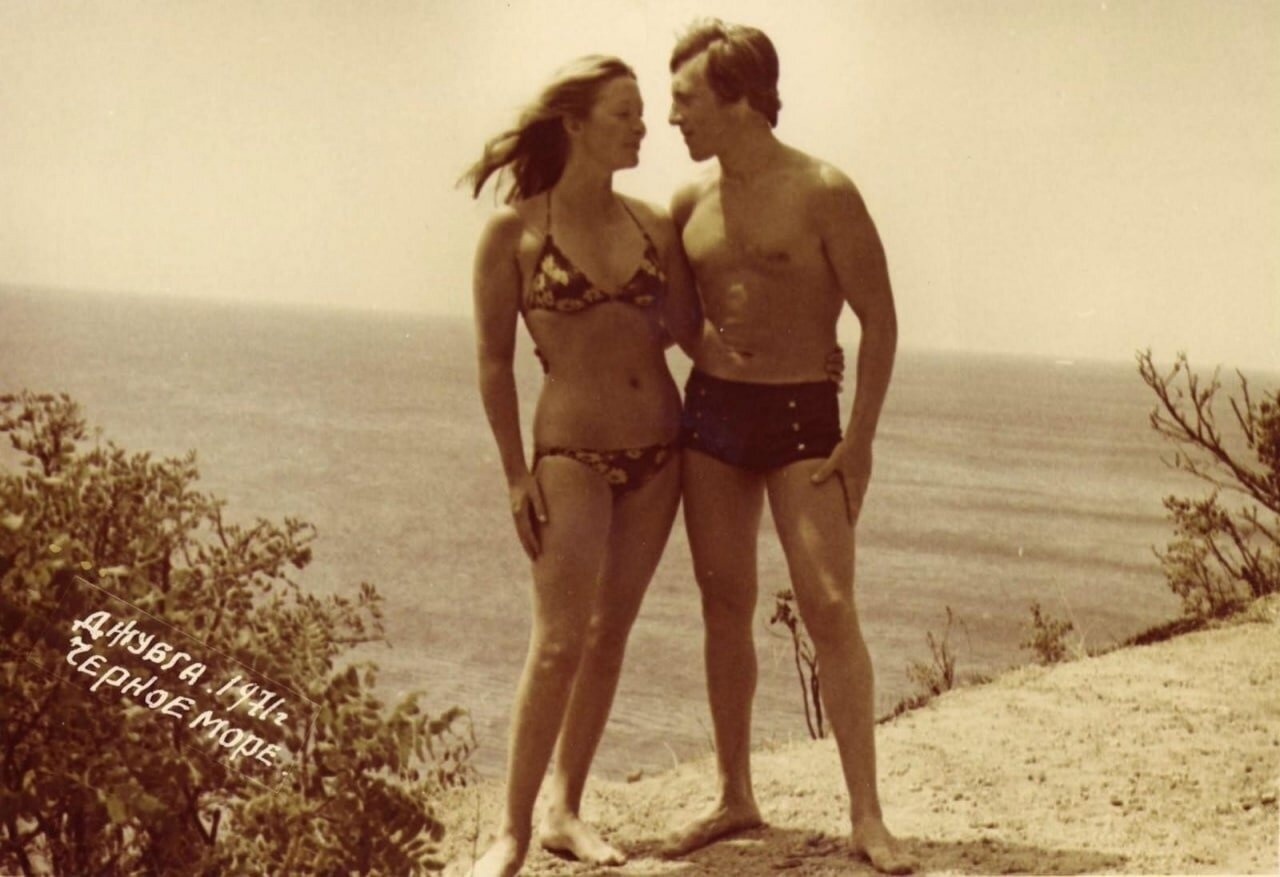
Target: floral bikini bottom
(624,470)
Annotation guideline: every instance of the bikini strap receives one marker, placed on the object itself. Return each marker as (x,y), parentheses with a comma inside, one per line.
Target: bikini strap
(648,239)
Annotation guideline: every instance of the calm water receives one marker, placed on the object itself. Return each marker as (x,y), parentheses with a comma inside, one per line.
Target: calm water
(999,481)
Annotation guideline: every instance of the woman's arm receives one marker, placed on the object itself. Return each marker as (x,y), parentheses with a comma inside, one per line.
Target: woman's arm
(683,313)
(497,310)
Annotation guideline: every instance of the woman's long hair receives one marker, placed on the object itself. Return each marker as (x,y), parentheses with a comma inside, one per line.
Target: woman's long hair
(534,152)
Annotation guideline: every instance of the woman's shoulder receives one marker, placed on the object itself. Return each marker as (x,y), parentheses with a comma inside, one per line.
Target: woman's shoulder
(645,211)
(509,222)
(653,218)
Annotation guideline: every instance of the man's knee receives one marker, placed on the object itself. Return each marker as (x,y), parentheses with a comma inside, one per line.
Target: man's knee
(726,599)
(830,618)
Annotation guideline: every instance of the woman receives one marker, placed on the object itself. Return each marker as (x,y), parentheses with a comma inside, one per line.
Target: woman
(602,284)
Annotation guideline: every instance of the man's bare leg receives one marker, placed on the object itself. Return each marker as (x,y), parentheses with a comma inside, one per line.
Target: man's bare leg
(722,507)
(564,581)
(819,544)
(641,524)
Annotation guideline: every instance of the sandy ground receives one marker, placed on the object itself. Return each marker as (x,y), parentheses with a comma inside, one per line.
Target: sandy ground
(1156,759)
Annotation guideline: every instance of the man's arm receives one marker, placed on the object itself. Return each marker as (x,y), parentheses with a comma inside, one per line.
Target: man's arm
(852,247)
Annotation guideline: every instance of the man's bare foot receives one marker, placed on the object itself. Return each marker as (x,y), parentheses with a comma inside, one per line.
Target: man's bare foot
(722,821)
(885,852)
(503,859)
(567,835)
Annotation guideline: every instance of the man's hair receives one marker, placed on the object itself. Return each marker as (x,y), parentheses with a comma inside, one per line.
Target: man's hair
(741,62)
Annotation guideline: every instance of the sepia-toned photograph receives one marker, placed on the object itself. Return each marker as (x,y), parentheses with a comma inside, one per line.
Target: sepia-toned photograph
(639,437)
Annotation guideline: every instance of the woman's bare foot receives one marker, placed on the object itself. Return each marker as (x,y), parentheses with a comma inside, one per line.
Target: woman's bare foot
(503,859)
(885,852)
(565,834)
(723,820)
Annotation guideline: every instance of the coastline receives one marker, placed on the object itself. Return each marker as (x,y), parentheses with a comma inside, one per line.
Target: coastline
(999,482)
(1160,758)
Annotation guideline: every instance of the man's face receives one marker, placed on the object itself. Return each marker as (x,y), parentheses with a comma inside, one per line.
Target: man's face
(703,119)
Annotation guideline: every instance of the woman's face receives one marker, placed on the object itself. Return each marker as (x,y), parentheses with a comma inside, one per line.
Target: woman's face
(612,131)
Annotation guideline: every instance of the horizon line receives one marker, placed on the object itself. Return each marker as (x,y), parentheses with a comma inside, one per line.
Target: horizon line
(1062,359)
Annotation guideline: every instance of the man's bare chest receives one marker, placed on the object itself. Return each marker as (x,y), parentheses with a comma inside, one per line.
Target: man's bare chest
(769,236)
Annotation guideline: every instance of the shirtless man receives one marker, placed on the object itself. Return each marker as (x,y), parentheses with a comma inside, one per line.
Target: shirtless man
(779,242)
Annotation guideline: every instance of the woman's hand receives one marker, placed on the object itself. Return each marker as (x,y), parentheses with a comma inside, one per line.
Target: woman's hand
(834,366)
(529,511)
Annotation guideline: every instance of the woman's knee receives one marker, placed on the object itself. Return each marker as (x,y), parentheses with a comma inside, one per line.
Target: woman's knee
(606,641)
(558,652)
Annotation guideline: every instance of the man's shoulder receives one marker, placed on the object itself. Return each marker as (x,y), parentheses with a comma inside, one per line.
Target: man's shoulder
(817,176)
(828,194)
(689,193)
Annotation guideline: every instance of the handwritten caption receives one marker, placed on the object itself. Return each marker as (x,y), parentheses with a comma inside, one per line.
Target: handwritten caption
(239,713)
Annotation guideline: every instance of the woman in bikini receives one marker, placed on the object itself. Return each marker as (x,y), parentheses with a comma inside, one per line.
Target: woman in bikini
(601,282)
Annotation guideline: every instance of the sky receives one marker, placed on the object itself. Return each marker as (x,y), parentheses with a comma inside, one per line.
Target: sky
(1068,179)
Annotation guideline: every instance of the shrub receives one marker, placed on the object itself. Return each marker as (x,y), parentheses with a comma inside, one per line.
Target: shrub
(1226,546)
(1047,638)
(113,786)
(939,675)
(806,660)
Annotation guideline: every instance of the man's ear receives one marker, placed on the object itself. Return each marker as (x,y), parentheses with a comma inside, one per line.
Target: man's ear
(740,108)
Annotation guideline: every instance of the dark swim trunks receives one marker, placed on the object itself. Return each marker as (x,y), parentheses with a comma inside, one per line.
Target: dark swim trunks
(759,426)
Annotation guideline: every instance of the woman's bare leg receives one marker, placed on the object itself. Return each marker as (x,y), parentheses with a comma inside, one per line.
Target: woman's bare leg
(565,574)
(641,524)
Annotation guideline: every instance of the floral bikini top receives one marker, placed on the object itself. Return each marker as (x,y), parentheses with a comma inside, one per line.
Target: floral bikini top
(558,285)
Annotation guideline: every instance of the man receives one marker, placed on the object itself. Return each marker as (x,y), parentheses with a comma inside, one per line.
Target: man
(778,242)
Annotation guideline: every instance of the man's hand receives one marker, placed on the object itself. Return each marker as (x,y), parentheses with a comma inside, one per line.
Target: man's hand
(834,366)
(528,510)
(852,465)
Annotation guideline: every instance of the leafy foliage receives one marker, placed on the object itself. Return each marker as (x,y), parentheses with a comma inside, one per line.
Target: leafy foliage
(92,786)
(1226,546)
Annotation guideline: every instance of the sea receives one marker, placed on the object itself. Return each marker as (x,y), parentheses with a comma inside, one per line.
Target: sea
(998,481)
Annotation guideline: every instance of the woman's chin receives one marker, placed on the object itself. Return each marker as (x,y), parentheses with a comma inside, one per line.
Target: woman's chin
(628,159)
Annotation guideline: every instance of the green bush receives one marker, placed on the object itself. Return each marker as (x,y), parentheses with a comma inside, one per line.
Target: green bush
(94,785)
(1226,546)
